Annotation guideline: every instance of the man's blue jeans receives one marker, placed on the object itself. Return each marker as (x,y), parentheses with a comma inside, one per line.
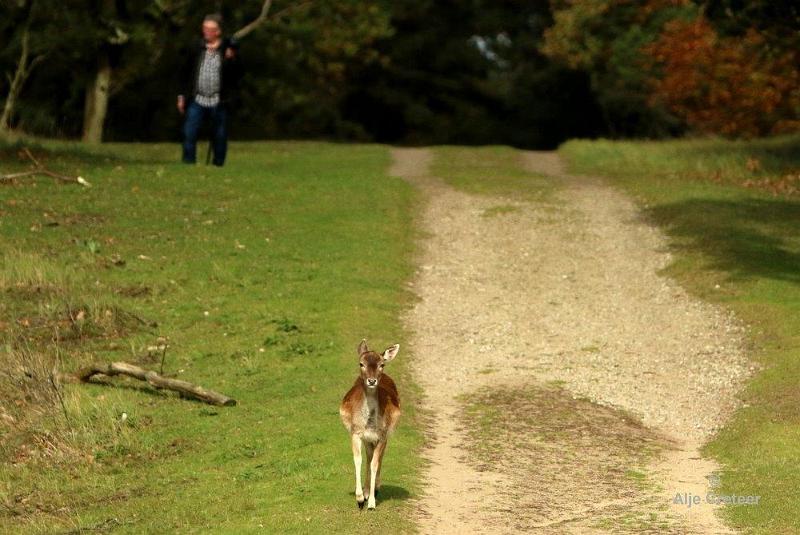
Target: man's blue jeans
(195,115)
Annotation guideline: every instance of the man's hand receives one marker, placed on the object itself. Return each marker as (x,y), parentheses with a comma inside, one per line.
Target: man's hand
(181,104)
(230,53)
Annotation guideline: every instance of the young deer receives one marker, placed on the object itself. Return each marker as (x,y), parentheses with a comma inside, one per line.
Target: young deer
(370,411)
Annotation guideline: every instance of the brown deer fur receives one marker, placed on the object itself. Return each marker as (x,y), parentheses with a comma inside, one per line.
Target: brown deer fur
(370,411)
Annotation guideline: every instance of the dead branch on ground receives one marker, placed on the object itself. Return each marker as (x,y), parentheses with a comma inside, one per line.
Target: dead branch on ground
(155,380)
(40,169)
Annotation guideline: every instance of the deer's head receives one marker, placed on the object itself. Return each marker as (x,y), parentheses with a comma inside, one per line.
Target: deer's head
(372,363)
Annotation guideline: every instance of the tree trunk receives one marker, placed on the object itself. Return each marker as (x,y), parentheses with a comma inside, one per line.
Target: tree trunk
(24,70)
(94,112)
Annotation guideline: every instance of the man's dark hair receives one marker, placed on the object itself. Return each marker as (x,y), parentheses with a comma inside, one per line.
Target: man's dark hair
(214,17)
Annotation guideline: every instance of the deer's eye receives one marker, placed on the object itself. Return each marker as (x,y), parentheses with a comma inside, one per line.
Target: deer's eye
(361,364)
(381,366)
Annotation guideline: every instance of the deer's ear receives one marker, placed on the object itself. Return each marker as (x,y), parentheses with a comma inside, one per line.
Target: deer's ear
(391,352)
(362,347)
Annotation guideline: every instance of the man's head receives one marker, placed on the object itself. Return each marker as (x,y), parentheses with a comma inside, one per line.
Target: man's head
(212,27)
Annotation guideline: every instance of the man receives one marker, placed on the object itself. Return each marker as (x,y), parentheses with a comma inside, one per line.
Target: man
(210,79)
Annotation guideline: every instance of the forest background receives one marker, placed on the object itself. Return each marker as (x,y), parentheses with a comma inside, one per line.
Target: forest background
(525,73)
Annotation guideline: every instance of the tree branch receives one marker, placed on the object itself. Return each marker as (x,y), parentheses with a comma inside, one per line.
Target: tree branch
(291,8)
(38,59)
(39,169)
(263,17)
(155,380)
(34,160)
(256,23)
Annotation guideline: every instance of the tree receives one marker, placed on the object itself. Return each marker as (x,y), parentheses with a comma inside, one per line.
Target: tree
(25,67)
(431,82)
(311,45)
(471,72)
(607,40)
(23,18)
(127,37)
(299,66)
(717,66)
(735,86)
(544,101)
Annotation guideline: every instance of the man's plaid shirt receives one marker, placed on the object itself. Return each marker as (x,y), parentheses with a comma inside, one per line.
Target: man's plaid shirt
(208,80)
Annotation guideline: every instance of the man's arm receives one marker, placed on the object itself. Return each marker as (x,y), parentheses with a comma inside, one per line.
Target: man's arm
(186,74)
(232,72)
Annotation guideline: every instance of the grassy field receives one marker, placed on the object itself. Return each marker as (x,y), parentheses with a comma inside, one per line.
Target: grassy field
(263,276)
(491,170)
(732,212)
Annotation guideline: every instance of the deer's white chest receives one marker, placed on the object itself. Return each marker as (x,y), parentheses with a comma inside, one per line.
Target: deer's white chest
(371,419)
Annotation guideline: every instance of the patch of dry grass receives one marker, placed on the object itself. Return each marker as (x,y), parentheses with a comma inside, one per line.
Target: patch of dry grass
(43,335)
(565,455)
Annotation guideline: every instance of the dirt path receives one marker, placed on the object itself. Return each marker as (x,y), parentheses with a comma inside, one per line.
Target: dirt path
(592,379)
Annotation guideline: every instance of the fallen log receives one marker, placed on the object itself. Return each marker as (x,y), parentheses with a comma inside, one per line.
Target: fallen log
(155,380)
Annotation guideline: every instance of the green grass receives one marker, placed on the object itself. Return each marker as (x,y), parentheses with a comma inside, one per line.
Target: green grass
(702,160)
(738,246)
(264,275)
(496,171)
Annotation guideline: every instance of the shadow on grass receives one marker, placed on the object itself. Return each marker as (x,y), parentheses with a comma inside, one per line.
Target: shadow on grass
(145,389)
(77,154)
(387,492)
(746,238)
(393,492)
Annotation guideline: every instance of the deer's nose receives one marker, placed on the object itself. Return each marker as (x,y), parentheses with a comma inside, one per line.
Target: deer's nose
(372,382)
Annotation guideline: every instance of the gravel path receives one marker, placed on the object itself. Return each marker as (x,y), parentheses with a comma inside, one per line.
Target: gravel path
(564,293)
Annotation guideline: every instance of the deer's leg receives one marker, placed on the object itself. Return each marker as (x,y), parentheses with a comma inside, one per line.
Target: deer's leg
(380,465)
(374,467)
(356,444)
(370,447)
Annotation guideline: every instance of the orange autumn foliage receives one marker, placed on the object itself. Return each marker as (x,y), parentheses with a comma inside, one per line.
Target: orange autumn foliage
(725,85)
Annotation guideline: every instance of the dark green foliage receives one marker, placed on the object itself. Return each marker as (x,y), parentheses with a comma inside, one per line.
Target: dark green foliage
(417,72)
(431,72)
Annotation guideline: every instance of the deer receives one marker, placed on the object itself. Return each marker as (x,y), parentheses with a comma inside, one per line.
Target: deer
(370,411)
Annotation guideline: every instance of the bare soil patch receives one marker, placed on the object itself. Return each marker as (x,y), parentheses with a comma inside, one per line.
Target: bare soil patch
(574,465)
